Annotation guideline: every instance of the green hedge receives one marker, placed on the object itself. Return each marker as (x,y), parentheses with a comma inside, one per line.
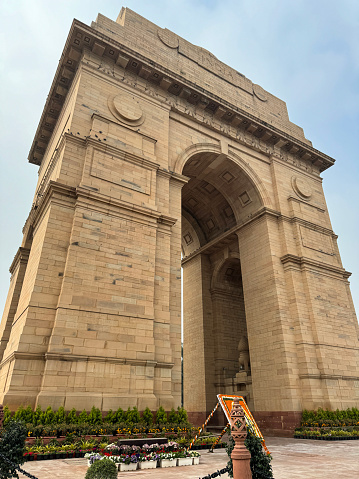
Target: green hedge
(94,417)
(326,418)
(61,423)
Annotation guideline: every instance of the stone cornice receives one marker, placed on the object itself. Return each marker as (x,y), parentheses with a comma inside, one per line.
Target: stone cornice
(79,357)
(71,196)
(303,262)
(82,37)
(21,256)
(329,376)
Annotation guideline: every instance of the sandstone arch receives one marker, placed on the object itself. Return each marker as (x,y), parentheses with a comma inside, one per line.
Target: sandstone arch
(172,150)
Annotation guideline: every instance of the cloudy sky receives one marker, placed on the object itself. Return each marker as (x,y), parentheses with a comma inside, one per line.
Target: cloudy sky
(306,52)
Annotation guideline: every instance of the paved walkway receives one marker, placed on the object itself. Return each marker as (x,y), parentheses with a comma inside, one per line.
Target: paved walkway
(292,459)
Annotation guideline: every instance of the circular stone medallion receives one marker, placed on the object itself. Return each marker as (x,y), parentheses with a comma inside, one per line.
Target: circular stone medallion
(259,92)
(168,37)
(126,107)
(301,187)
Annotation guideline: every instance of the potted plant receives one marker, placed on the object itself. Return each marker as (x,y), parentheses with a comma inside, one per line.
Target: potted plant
(148,460)
(168,459)
(127,462)
(184,458)
(195,457)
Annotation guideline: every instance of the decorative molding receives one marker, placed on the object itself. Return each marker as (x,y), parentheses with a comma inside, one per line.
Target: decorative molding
(79,357)
(21,256)
(328,376)
(308,224)
(302,262)
(178,87)
(326,345)
(298,200)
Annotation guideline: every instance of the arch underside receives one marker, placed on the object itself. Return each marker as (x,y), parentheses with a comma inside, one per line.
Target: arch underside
(218,197)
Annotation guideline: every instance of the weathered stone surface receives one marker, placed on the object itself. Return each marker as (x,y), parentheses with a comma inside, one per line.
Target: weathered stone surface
(158,149)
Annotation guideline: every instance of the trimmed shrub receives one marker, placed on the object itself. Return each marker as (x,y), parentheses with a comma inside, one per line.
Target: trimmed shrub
(133,416)
(83,417)
(71,417)
(49,416)
(119,416)
(60,416)
(103,469)
(147,417)
(12,446)
(36,416)
(182,415)
(161,416)
(95,416)
(110,417)
(7,416)
(173,417)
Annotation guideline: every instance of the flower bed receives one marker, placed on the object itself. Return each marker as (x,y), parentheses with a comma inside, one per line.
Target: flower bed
(326,434)
(329,425)
(129,458)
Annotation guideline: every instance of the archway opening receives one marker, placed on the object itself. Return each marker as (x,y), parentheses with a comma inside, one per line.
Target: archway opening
(218,198)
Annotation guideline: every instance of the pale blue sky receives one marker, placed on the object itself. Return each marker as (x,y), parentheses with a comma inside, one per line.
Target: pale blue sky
(305,52)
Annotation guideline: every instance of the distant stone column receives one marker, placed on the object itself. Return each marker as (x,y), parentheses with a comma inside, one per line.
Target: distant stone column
(240,455)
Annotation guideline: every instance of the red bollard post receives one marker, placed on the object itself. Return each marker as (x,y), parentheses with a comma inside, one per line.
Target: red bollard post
(240,455)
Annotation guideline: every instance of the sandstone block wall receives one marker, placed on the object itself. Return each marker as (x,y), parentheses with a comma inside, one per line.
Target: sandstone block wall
(150,147)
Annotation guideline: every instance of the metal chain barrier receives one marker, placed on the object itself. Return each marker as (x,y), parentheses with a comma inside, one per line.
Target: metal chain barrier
(216,474)
(18,468)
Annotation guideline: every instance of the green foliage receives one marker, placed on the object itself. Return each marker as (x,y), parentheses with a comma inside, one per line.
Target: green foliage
(161,416)
(119,416)
(182,416)
(20,414)
(95,416)
(127,415)
(60,416)
(103,469)
(49,416)
(59,423)
(36,416)
(321,417)
(12,446)
(134,416)
(260,461)
(7,416)
(71,417)
(110,417)
(147,416)
(83,417)
(28,415)
(172,417)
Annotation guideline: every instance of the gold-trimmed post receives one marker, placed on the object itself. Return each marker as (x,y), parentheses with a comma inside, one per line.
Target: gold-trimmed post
(240,455)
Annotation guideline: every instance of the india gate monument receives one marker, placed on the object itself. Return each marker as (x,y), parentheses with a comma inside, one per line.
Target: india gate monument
(157,161)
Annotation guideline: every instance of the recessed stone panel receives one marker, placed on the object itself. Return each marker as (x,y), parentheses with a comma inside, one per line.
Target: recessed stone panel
(316,240)
(120,172)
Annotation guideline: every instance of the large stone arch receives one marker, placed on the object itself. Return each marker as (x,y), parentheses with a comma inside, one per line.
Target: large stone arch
(93,315)
(197,148)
